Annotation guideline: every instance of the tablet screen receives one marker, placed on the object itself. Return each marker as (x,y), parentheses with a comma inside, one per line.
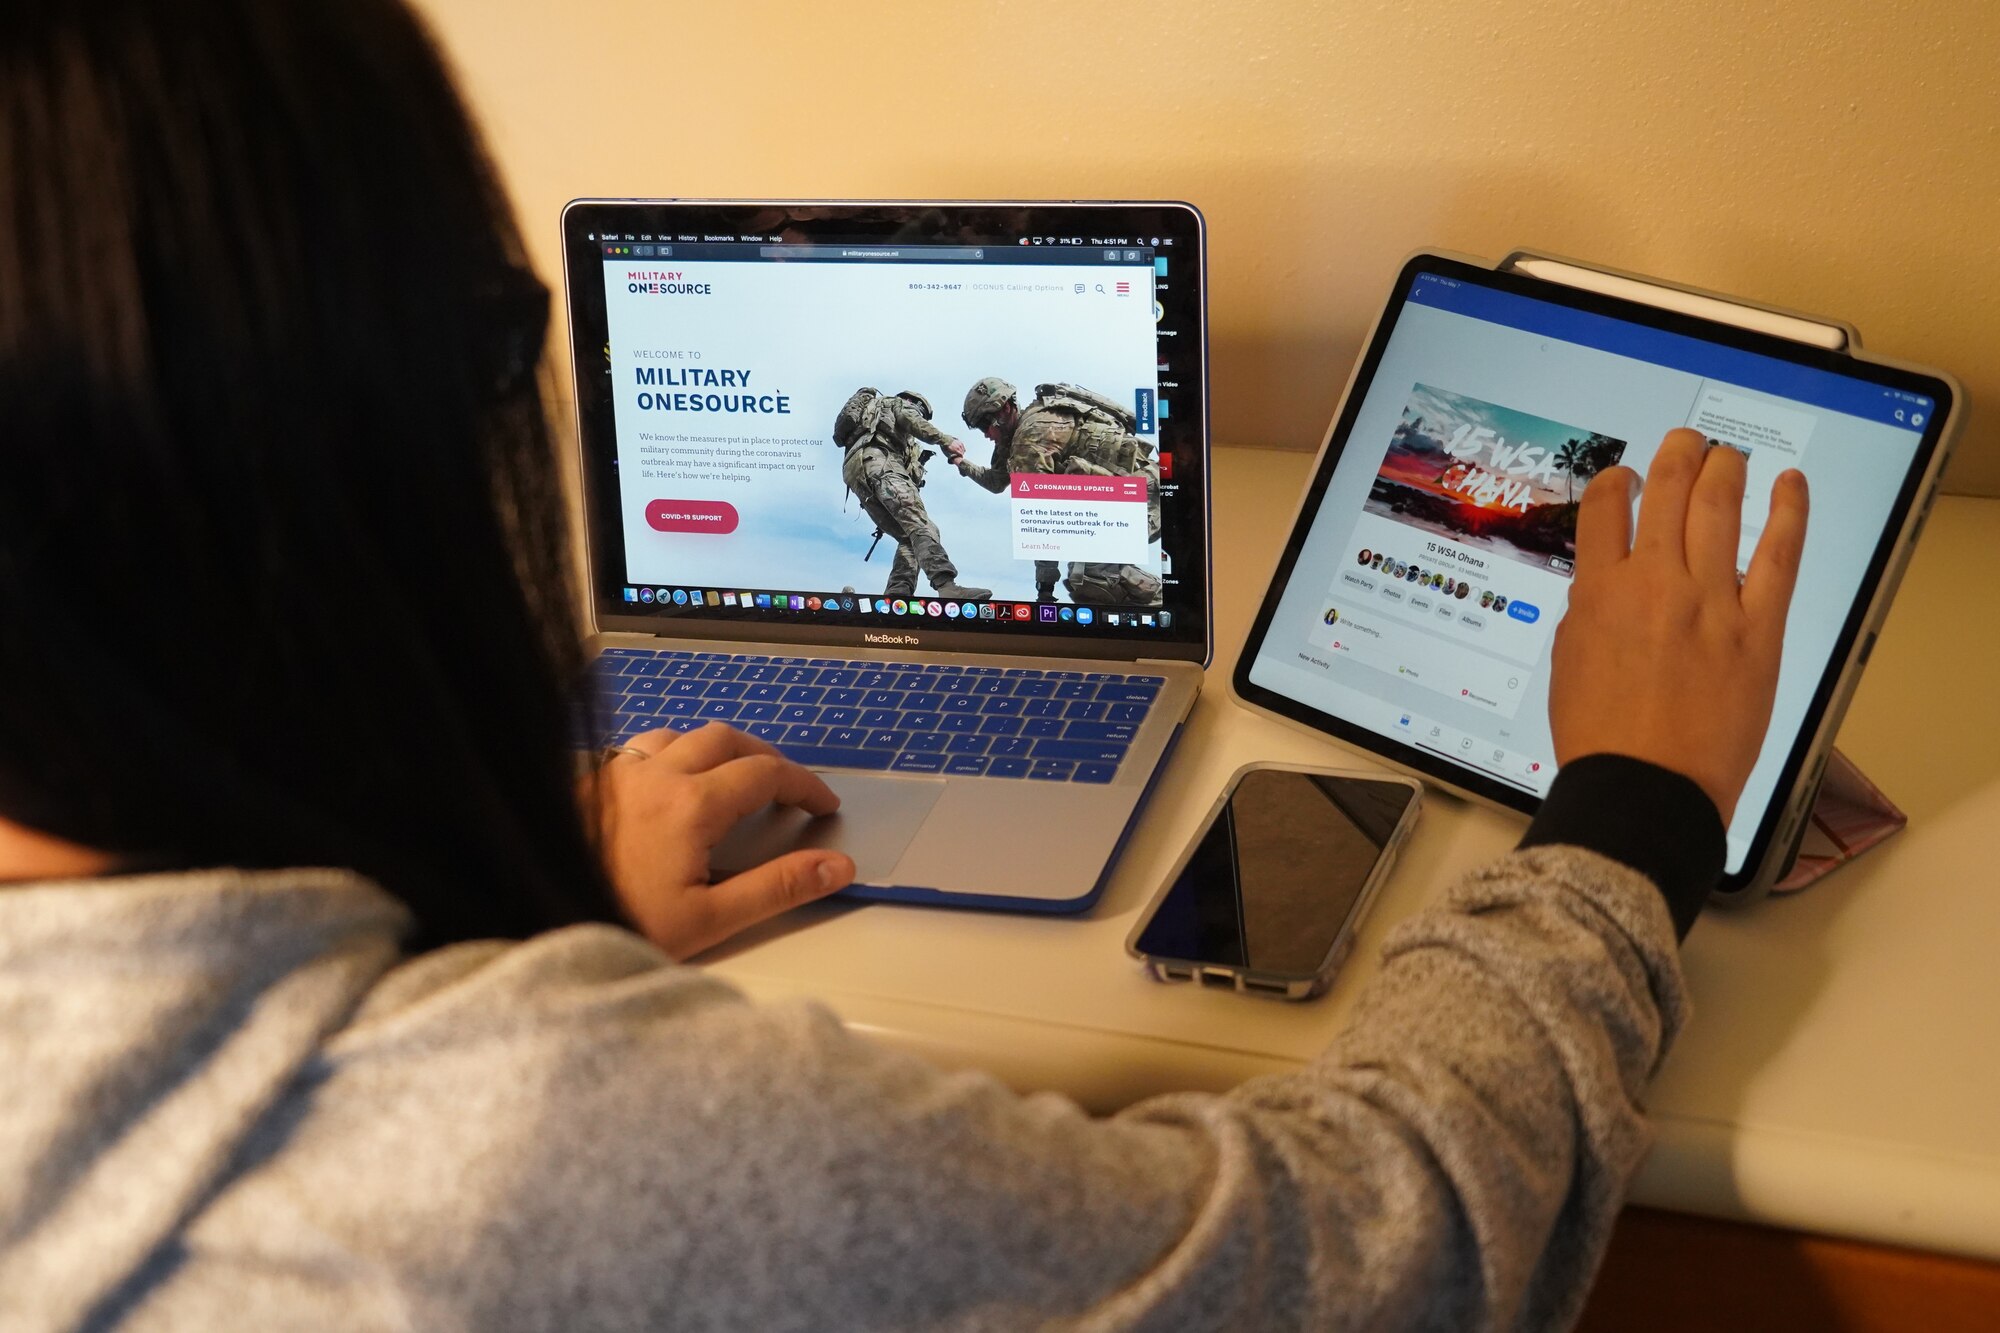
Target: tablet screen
(1422,588)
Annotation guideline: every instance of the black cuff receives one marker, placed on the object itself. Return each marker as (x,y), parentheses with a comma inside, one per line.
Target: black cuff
(1647,817)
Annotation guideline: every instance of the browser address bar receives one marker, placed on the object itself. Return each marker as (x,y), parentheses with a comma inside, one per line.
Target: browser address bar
(928,253)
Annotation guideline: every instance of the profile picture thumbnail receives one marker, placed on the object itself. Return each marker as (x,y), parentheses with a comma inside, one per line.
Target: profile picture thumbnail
(1364,557)
(1499,602)
(1486,598)
(1463,589)
(1332,615)
(1376,563)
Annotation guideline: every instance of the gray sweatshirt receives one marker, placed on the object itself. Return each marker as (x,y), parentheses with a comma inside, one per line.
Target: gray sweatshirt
(230,1102)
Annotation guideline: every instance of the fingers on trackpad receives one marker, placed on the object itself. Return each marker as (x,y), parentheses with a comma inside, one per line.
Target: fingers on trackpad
(877,820)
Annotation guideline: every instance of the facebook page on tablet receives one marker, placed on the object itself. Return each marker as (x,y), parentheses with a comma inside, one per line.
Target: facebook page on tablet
(1428,589)
(746,376)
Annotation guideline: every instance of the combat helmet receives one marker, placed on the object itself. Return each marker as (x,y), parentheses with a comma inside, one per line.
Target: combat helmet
(984,400)
(917,400)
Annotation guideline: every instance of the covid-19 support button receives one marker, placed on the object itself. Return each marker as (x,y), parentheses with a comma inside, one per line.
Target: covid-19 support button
(712,516)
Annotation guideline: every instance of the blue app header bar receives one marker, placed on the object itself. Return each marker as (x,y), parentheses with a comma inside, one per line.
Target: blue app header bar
(1676,351)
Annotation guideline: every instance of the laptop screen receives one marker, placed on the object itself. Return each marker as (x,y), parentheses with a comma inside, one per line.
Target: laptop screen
(895,424)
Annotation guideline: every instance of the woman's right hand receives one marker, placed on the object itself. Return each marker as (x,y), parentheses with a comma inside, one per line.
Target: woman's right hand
(1664,655)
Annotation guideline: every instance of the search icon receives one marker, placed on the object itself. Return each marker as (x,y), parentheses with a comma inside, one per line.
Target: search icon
(1100,292)
(1899,414)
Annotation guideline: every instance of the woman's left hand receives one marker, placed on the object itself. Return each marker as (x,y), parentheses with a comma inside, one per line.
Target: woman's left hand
(663,809)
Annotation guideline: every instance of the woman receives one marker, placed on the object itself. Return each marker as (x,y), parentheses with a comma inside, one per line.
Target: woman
(312,1007)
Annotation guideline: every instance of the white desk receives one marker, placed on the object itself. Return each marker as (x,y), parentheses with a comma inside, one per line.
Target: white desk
(1842,1071)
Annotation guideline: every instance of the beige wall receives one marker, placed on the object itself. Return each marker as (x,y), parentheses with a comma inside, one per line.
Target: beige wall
(1840,156)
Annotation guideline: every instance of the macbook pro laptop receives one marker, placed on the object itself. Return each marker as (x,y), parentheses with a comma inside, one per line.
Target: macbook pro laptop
(916,492)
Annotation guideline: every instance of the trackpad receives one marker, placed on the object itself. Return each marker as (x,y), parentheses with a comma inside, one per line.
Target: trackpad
(877,819)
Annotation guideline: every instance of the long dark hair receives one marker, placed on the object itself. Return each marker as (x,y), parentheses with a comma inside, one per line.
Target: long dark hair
(284,565)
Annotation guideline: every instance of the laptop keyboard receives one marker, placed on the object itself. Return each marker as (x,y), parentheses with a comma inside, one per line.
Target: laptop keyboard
(899,717)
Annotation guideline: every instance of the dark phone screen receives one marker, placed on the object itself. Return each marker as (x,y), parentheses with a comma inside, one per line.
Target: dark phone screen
(1276,875)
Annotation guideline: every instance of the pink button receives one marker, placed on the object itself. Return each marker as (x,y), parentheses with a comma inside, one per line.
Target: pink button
(715,516)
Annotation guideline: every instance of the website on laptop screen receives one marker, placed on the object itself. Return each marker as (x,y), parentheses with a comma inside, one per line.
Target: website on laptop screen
(867,431)
(1427,591)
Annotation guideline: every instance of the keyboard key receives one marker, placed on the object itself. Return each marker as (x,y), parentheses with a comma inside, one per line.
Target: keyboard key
(1147,680)
(1095,772)
(1122,732)
(648,685)
(992,685)
(926,742)
(798,713)
(846,737)
(1043,708)
(1020,671)
(719,671)
(1075,689)
(1126,712)
(920,721)
(1052,770)
(682,670)
(879,717)
(882,699)
(723,710)
(1043,726)
(807,734)
(764,693)
(881,739)
(763,672)
(1082,710)
(982,671)
(960,703)
(913,762)
(875,680)
(960,684)
(925,701)
(758,713)
(1001,706)
(966,745)
(1034,689)
(914,680)
(999,726)
(1122,692)
(767,731)
(840,717)
(966,766)
(798,675)
(804,694)
(645,703)
(1096,752)
(725,689)
(1063,675)
(680,706)
(842,676)
(831,756)
(1009,746)
(953,723)
(686,723)
(1007,768)
(683,687)
(843,698)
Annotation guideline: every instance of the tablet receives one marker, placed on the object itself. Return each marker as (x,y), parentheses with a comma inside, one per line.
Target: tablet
(1413,606)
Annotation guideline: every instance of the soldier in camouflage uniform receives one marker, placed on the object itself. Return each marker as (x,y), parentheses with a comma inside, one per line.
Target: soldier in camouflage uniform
(884,435)
(1066,429)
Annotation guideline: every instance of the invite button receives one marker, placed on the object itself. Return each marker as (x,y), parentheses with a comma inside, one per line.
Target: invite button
(716,516)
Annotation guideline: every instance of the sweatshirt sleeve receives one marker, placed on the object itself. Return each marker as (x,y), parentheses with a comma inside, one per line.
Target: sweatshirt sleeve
(575,1133)
(631,1145)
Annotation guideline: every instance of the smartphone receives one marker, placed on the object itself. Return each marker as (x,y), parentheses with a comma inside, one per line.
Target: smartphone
(1269,894)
